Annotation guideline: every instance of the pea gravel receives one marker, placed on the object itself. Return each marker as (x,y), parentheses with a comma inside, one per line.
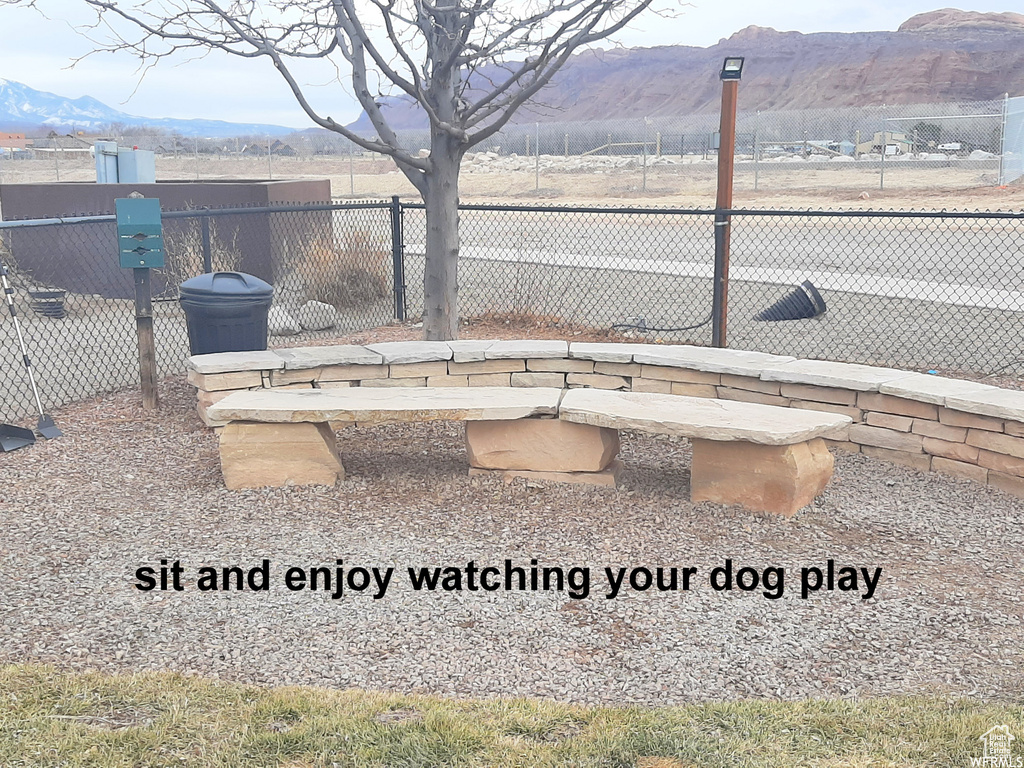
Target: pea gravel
(124,489)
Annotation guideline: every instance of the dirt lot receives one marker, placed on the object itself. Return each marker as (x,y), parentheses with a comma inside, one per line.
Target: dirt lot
(967,185)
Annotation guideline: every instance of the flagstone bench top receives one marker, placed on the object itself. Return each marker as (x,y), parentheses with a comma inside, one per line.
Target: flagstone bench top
(700,418)
(691,417)
(369,405)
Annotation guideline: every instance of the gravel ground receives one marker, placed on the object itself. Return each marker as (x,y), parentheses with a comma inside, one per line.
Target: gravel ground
(122,490)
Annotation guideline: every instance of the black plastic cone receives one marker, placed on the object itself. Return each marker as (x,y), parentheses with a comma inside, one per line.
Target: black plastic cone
(799,304)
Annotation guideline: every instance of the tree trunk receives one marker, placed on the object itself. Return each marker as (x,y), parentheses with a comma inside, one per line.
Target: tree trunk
(440,276)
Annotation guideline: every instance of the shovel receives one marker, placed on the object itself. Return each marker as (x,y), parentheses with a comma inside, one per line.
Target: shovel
(12,438)
(16,436)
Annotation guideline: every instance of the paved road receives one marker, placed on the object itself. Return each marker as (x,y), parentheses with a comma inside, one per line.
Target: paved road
(975,253)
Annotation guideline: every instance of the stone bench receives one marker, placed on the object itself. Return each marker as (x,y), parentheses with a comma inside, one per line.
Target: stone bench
(958,427)
(286,437)
(762,457)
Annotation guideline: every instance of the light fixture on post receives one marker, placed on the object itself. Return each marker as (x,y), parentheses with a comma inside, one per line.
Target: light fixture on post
(732,70)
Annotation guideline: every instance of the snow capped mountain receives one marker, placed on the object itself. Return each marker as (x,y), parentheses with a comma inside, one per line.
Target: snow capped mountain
(24,108)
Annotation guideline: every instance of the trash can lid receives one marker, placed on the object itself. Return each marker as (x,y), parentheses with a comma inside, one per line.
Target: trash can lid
(236,284)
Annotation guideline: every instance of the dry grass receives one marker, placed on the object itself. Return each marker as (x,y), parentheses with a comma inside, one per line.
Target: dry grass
(352,274)
(51,718)
(183,242)
(532,325)
(684,186)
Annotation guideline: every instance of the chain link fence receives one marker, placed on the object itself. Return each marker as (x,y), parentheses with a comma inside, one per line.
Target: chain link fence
(331,267)
(904,289)
(907,147)
(915,146)
(907,289)
(929,290)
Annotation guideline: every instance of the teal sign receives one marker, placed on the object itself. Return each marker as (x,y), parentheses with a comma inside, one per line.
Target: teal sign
(140,233)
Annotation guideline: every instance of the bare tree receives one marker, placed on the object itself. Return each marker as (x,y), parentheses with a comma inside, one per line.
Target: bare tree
(467,64)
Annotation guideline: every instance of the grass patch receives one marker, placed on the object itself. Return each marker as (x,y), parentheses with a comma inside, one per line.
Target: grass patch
(52,718)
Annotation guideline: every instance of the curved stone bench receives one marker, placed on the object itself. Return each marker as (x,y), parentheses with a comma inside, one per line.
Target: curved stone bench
(926,422)
(762,457)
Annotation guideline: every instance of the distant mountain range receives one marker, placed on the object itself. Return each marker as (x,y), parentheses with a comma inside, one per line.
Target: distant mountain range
(24,109)
(936,57)
(941,56)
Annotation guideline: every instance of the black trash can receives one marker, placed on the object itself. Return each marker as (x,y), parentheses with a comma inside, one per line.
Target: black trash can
(226,312)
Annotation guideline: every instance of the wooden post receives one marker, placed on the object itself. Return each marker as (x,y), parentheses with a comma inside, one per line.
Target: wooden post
(147,344)
(726,149)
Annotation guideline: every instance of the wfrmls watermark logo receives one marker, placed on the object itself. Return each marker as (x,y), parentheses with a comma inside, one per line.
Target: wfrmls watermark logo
(998,753)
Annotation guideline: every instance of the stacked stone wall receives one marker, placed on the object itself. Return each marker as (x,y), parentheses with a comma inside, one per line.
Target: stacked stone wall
(930,423)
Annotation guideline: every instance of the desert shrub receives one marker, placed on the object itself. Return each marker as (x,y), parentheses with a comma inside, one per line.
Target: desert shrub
(352,274)
(183,251)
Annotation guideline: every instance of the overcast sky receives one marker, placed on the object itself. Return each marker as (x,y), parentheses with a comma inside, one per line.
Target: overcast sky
(37,51)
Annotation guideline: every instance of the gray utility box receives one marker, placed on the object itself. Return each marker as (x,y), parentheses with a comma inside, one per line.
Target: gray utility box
(116,165)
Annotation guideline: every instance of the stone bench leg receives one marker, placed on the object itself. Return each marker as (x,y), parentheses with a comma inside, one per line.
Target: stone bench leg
(544,449)
(258,455)
(763,478)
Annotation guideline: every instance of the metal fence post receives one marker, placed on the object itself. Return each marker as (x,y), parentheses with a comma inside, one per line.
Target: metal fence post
(885,146)
(1002,141)
(351,170)
(398,256)
(207,250)
(536,162)
(881,163)
(757,149)
(645,155)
